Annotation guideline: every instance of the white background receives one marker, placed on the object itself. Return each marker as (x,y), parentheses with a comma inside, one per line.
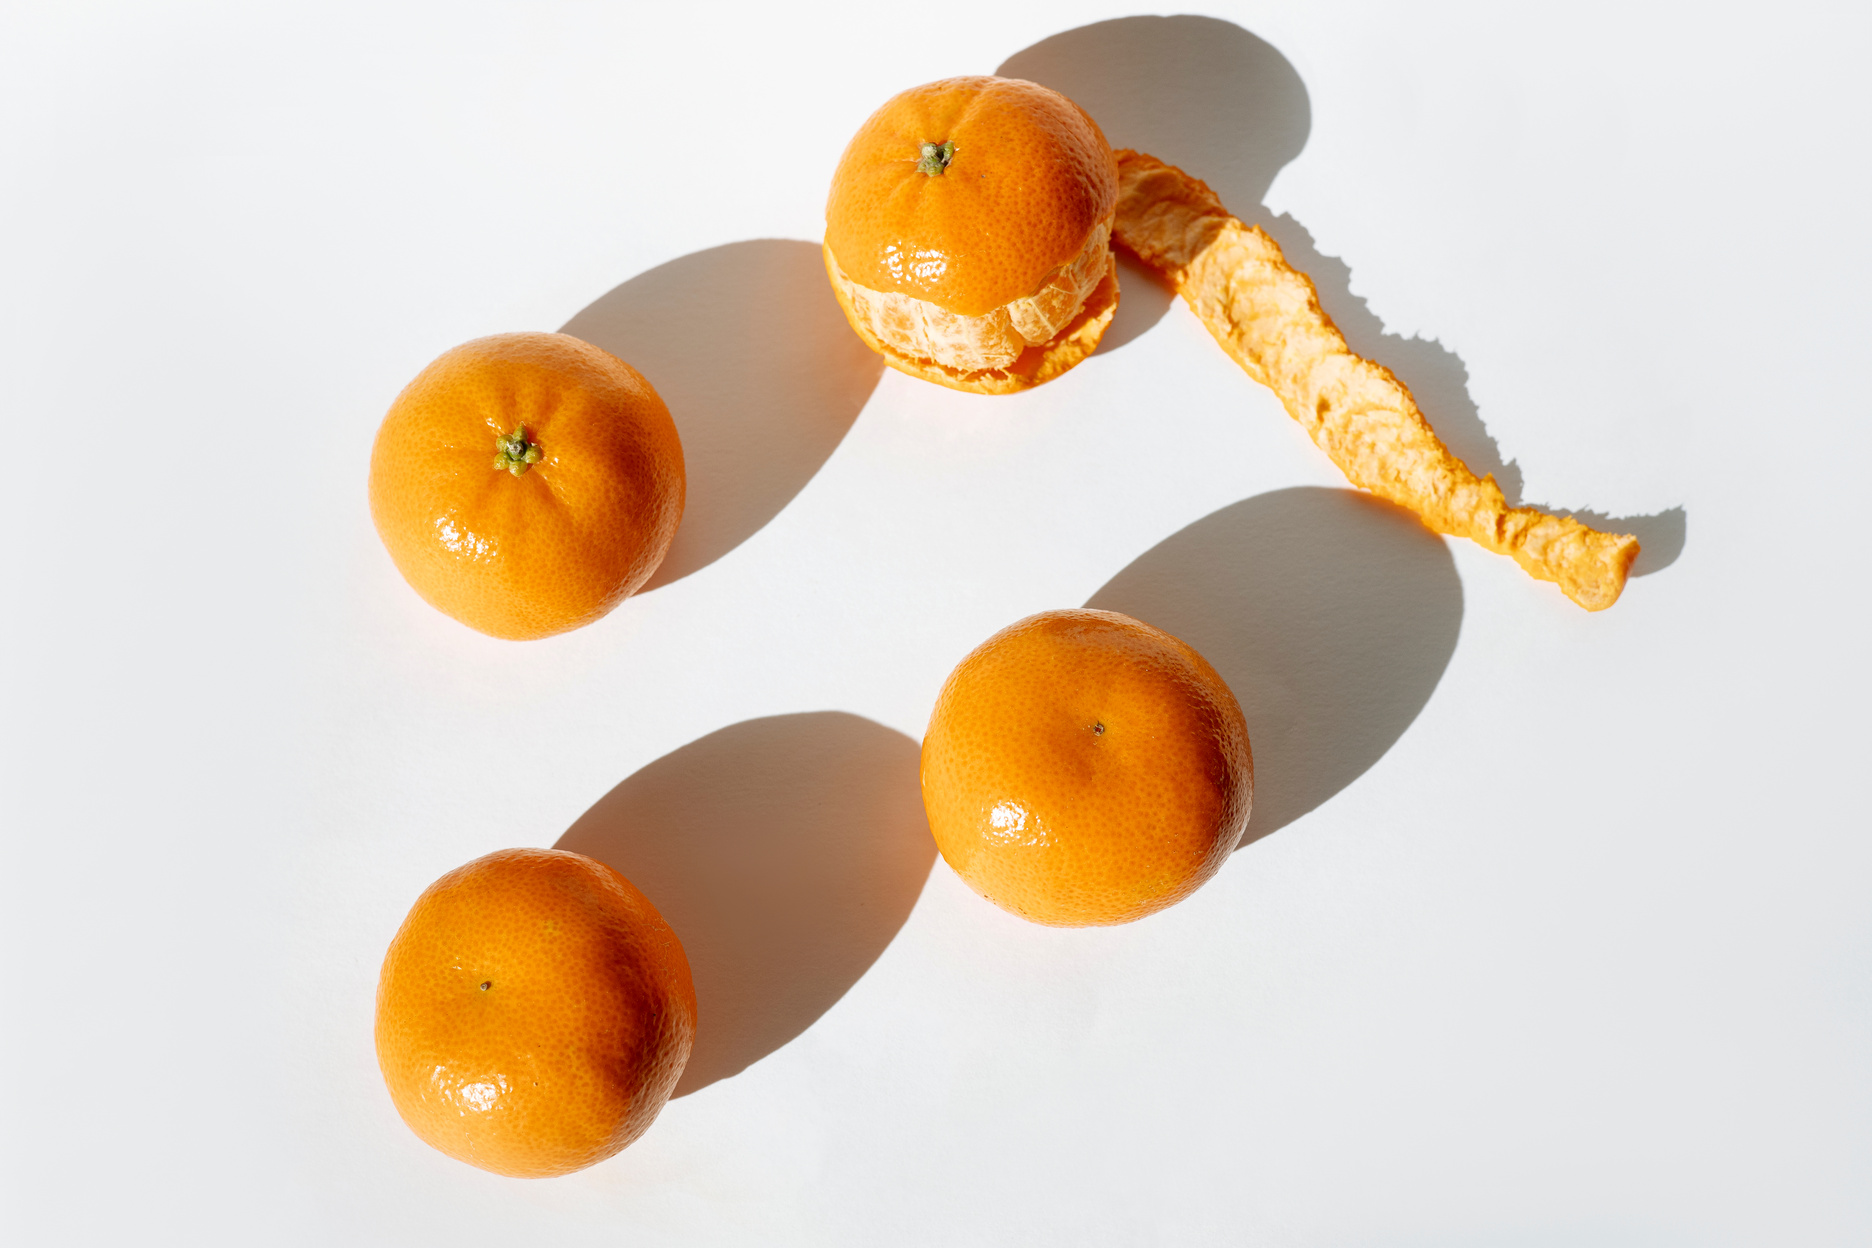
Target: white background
(1584,956)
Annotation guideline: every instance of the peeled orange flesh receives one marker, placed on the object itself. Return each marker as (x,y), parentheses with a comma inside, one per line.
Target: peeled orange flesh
(994,340)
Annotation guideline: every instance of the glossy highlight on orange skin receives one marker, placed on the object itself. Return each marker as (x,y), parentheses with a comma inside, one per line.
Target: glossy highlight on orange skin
(534,1013)
(558,546)
(1082,768)
(1030,177)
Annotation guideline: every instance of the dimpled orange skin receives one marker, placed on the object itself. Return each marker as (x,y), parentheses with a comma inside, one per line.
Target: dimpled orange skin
(558,546)
(1083,768)
(1030,177)
(534,1013)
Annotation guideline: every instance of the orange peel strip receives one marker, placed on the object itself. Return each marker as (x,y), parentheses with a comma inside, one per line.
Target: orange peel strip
(1267,316)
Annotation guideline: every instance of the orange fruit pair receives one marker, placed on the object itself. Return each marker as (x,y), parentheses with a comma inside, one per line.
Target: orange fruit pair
(527,483)
(1080,767)
(968,233)
(534,1013)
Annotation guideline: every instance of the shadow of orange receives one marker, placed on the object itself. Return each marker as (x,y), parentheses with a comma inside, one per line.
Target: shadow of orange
(1330,613)
(786,853)
(761,373)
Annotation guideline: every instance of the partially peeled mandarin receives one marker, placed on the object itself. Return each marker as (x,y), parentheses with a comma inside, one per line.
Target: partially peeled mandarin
(968,233)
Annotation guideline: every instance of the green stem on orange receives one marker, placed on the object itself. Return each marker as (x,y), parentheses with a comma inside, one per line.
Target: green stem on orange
(514,453)
(936,158)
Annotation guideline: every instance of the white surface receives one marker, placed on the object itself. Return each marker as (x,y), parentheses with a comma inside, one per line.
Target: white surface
(1584,958)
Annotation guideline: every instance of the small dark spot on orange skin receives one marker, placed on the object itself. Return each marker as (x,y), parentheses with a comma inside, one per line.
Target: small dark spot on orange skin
(1098,730)
(486,984)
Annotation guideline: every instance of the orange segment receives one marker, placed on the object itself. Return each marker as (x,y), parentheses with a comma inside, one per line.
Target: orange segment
(922,330)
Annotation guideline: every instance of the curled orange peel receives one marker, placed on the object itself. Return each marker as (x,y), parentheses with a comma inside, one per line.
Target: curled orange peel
(1266,314)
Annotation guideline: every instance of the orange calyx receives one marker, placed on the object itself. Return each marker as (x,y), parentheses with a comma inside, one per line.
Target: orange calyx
(514,453)
(590,525)
(935,158)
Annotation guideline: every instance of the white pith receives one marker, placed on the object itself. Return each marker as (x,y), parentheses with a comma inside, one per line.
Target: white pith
(919,328)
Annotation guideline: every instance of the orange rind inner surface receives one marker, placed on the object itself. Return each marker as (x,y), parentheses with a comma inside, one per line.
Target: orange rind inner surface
(1267,316)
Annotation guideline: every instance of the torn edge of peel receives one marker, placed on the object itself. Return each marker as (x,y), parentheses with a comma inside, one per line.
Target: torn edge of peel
(1266,314)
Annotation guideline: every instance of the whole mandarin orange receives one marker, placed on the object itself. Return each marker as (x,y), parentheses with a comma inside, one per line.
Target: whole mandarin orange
(968,233)
(1082,767)
(527,483)
(534,1013)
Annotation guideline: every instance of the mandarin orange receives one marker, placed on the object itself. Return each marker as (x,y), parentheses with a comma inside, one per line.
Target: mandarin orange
(527,483)
(1082,767)
(968,233)
(534,1013)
